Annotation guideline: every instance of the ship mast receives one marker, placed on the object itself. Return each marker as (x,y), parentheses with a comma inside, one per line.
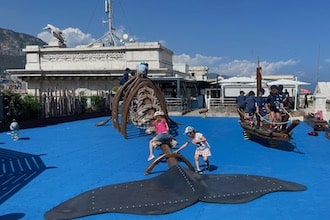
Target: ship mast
(258,76)
(259,86)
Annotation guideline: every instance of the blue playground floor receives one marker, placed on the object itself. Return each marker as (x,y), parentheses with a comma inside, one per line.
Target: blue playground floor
(64,160)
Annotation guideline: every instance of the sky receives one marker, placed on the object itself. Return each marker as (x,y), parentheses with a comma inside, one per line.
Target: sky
(287,37)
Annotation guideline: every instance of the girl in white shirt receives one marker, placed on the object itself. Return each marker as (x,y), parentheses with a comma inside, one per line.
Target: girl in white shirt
(202,147)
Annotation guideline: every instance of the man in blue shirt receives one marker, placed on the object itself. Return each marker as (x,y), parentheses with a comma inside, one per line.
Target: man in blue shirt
(241,104)
(125,77)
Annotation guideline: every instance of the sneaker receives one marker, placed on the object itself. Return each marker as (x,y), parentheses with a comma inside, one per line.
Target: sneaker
(174,143)
(207,165)
(199,171)
(151,157)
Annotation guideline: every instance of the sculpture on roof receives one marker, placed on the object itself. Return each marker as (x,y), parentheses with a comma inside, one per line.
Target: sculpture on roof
(58,39)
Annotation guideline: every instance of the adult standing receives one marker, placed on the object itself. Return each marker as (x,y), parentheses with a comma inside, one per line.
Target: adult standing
(125,76)
(306,101)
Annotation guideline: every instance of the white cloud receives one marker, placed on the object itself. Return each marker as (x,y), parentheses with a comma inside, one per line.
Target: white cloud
(235,68)
(198,60)
(247,68)
(73,37)
(271,68)
(232,68)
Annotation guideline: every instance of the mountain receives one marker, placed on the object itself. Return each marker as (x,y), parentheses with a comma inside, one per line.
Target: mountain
(11,45)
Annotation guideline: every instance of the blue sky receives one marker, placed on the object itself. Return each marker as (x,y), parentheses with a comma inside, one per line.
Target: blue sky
(288,36)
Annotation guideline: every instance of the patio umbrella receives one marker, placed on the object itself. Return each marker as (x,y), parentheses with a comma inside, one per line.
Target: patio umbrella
(287,82)
(234,81)
(237,79)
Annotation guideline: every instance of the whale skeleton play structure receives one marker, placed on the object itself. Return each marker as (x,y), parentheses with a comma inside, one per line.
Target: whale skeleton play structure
(139,98)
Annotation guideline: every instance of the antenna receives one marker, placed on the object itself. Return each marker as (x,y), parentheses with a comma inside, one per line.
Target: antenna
(109,12)
(110,38)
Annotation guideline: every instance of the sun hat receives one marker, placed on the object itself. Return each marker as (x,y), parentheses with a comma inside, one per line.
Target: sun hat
(157,113)
(189,129)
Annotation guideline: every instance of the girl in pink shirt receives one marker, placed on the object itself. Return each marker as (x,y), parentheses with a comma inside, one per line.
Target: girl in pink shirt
(162,133)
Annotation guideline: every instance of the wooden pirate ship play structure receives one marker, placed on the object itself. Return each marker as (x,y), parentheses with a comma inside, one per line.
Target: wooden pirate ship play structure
(262,130)
(316,121)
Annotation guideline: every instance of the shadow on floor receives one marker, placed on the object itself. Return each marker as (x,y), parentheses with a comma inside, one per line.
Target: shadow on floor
(17,170)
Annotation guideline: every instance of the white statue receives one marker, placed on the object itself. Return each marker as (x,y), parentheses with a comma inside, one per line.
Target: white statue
(57,34)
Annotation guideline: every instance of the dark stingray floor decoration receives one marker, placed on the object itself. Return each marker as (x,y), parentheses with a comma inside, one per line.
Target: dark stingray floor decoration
(176,189)
(17,169)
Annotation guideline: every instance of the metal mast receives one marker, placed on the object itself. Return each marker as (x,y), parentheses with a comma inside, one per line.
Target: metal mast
(110,38)
(109,12)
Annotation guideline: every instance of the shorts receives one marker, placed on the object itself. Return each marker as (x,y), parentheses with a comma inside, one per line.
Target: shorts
(274,109)
(205,152)
(163,137)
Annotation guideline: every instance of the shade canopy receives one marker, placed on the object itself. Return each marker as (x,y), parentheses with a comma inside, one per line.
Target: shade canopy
(287,82)
(237,79)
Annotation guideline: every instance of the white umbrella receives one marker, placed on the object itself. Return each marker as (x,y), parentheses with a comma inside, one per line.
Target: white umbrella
(237,79)
(287,82)
(234,81)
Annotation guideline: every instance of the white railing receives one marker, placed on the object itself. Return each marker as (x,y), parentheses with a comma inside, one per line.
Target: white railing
(177,105)
(215,104)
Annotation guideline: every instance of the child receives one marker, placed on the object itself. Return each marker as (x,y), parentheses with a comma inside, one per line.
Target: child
(162,133)
(202,147)
(250,107)
(142,70)
(14,127)
(261,107)
(274,106)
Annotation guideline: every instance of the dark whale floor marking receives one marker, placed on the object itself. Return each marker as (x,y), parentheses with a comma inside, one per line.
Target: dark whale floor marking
(176,189)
